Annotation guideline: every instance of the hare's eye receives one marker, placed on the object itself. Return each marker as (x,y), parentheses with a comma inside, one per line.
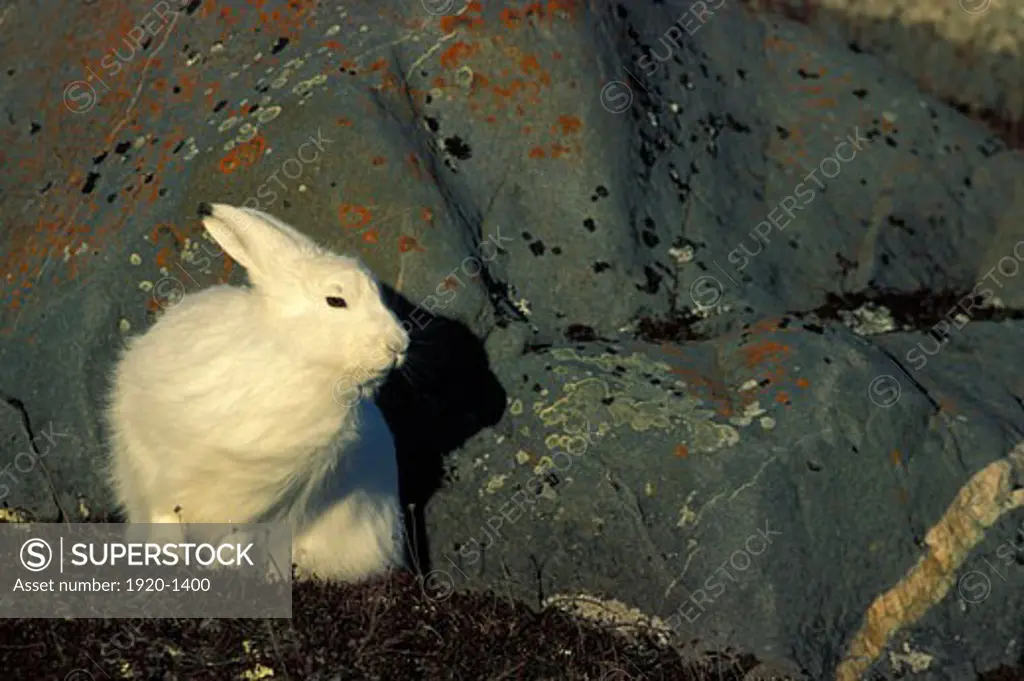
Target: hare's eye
(335,301)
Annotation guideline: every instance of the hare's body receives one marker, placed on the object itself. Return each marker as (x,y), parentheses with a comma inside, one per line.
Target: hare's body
(225,413)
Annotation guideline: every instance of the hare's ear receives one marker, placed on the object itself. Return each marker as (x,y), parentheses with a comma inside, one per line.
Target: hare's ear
(250,238)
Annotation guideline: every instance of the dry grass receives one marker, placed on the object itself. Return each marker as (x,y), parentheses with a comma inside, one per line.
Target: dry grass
(389,629)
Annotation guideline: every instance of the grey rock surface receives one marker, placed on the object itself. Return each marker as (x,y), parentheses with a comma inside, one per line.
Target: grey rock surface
(704,259)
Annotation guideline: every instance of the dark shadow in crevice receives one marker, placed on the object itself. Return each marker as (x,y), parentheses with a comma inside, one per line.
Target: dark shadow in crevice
(445,394)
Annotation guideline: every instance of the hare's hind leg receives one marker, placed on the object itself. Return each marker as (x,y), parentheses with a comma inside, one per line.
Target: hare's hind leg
(355,539)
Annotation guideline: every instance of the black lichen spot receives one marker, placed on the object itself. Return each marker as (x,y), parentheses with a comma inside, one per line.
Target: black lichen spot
(649,238)
(34,128)
(90,183)
(432,123)
(807,75)
(741,73)
(580,333)
(455,146)
(147,178)
(123,147)
(111,197)
(890,141)
(601,191)
(813,466)
(193,6)
(178,146)
(815,328)
(176,89)
(600,266)
(589,225)
(557,250)
(783,133)
(96,160)
(653,282)
(281,43)
(537,247)
(860,94)
(735,125)
(527,236)
(220,105)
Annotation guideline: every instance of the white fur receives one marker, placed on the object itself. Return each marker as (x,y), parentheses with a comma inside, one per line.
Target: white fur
(256,404)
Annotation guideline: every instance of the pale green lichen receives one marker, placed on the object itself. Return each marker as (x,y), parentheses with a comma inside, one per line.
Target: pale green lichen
(622,399)
(496,483)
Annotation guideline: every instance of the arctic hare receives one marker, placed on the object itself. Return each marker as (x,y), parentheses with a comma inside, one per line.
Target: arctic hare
(256,404)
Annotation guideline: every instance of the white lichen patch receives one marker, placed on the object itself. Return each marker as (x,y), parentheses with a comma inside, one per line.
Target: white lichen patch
(268,114)
(748,385)
(618,616)
(687,516)
(746,417)
(870,319)
(228,123)
(306,86)
(246,132)
(516,408)
(914,660)
(607,361)
(682,255)
(523,457)
(135,259)
(191,150)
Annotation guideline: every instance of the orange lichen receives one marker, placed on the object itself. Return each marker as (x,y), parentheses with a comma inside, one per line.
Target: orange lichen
(408,243)
(765,351)
(682,451)
(570,124)
(459,50)
(348,211)
(470,19)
